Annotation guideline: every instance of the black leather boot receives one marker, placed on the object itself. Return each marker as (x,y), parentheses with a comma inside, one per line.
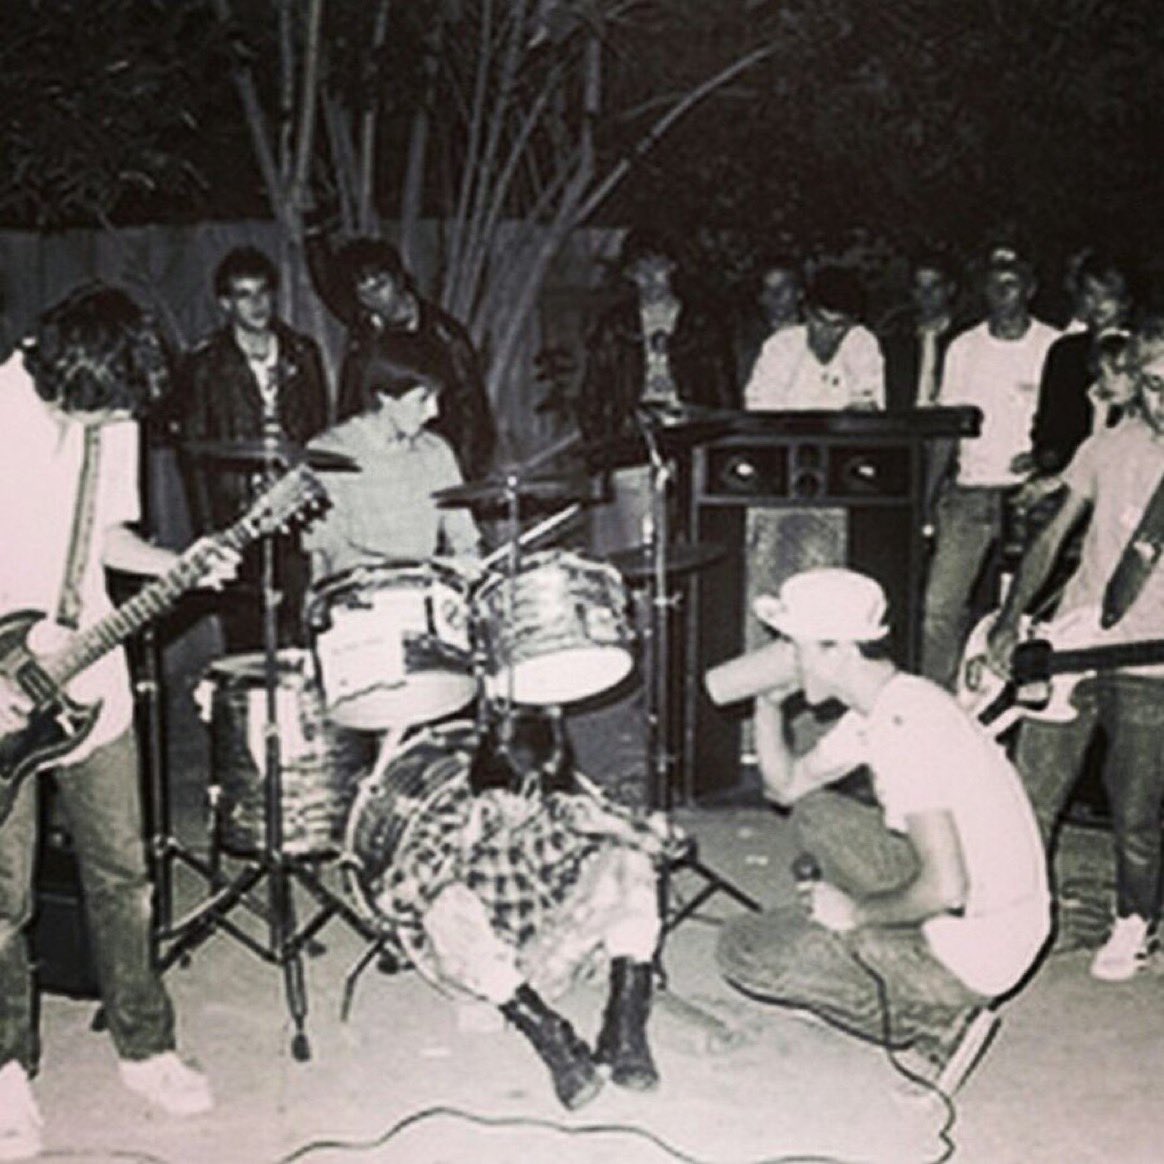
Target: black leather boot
(622,1042)
(572,1069)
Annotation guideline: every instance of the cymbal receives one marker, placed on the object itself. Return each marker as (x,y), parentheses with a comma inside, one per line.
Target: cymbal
(637,563)
(261,454)
(493,491)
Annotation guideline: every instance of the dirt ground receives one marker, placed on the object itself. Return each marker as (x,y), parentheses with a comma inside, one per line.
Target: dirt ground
(1073,1076)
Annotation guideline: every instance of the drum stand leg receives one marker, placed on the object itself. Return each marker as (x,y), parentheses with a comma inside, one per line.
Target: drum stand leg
(657,669)
(164,848)
(285,938)
(380,945)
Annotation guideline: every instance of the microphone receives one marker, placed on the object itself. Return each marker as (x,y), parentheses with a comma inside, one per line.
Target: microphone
(771,666)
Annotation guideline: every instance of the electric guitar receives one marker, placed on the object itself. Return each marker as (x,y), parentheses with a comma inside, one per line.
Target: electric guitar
(58,724)
(1047,664)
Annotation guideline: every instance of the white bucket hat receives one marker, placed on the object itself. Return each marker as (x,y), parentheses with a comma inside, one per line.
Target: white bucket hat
(830,604)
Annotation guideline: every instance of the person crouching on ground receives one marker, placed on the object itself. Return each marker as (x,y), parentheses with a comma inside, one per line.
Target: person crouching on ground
(933,901)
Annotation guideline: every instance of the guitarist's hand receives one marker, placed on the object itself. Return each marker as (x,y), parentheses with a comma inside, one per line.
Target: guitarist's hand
(14,706)
(221,564)
(1000,644)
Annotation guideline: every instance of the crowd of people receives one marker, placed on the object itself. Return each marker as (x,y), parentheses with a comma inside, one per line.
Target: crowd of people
(930,898)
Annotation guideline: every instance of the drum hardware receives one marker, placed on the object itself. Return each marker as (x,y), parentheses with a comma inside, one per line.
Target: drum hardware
(270,454)
(674,429)
(499,492)
(637,564)
(532,535)
(272,864)
(659,437)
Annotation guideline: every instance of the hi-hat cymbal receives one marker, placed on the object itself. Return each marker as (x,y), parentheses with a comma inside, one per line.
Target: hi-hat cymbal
(499,491)
(637,563)
(261,454)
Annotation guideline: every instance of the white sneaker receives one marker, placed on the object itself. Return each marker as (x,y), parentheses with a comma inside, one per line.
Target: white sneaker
(1124,953)
(20,1120)
(168,1083)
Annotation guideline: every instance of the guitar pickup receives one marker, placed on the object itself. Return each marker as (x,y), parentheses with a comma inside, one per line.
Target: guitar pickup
(1031,663)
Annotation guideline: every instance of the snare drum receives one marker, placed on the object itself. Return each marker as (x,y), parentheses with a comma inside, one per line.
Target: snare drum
(431,766)
(317,784)
(567,635)
(392,642)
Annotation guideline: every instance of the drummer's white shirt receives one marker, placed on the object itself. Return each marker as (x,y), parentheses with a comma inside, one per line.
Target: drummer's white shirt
(385,510)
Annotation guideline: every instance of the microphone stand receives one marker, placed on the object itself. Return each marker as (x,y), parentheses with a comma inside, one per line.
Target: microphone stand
(657,662)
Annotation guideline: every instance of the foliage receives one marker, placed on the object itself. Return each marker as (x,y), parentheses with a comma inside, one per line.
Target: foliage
(922,121)
(101,103)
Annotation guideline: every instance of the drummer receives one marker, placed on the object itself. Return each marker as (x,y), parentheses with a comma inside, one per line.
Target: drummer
(385,511)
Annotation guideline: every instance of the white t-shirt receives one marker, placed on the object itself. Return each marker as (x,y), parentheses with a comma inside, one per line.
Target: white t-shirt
(788,376)
(927,755)
(1001,377)
(41,456)
(1117,470)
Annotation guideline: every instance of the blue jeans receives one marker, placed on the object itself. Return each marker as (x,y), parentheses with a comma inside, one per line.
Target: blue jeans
(101,800)
(969,523)
(783,957)
(1130,709)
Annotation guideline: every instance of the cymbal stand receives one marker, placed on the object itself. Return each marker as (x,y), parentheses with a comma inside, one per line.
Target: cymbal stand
(657,663)
(285,942)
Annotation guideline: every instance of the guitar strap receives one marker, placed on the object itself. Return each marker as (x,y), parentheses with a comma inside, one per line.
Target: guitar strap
(69,603)
(1136,562)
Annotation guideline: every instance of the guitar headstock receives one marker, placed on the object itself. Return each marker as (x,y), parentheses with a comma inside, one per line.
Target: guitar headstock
(297,496)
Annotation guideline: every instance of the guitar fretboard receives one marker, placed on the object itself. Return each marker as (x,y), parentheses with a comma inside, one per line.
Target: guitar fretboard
(89,645)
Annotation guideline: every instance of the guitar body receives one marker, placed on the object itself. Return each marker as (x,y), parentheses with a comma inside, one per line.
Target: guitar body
(56,725)
(1050,660)
(981,691)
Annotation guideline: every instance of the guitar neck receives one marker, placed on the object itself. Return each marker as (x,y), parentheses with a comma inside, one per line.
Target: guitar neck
(1106,657)
(90,644)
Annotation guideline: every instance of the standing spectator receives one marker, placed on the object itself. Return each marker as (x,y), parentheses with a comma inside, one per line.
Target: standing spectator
(830,360)
(252,377)
(915,349)
(996,367)
(658,346)
(366,287)
(1063,415)
(778,303)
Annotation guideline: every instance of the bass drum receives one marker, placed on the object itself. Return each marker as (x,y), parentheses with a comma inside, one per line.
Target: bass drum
(432,765)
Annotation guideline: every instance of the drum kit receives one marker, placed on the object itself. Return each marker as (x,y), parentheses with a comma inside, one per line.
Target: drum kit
(325,753)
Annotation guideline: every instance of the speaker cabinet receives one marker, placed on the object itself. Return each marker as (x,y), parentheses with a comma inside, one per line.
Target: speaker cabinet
(785,504)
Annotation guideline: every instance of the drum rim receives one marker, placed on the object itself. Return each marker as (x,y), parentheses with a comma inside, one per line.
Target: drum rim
(298,656)
(343,580)
(349,859)
(498,575)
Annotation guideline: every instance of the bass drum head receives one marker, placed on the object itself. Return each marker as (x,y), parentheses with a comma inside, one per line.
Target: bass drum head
(387,805)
